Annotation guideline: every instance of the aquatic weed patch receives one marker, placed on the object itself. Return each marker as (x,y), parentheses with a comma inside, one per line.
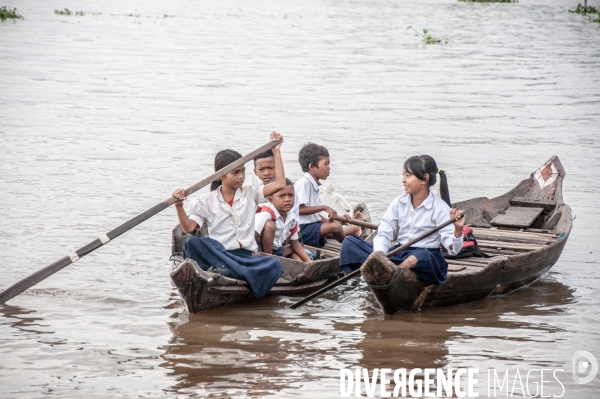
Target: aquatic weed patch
(591,11)
(489,1)
(7,13)
(428,38)
(66,11)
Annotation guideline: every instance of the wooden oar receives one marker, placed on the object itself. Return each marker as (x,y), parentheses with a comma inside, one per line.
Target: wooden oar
(389,254)
(47,271)
(360,223)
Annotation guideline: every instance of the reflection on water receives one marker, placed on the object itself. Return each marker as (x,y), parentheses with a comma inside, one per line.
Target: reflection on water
(264,351)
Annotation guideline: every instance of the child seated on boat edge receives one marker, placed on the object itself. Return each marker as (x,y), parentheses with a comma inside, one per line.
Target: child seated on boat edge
(279,211)
(411,214)
(315,163)
(229,210)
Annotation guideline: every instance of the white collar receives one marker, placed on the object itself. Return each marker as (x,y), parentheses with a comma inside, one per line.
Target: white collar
(427,204)
(312,180)
(236,196)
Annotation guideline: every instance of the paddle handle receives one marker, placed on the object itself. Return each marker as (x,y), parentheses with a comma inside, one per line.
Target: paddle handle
(360,223)
(73,257)
(389,254)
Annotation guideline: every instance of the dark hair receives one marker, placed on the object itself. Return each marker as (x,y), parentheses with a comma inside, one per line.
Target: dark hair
(421,165)
(222,159)
(266,154)
(311,153)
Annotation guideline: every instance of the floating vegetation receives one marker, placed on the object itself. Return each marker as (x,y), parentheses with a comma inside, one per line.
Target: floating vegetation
(66,11)
(427,38)
(585,9)
(7,13)
(490,1)
(594,14)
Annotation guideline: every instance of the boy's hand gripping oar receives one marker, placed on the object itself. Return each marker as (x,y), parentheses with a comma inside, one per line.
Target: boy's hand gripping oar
(41,274)
(357,223)
(389,254)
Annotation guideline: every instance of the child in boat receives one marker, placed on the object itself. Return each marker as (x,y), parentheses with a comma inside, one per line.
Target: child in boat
(279,211)
(229,210)
(264,172)
(314,160)
(411,214)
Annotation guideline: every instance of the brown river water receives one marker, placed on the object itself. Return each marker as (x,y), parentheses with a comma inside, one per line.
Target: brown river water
(103,115)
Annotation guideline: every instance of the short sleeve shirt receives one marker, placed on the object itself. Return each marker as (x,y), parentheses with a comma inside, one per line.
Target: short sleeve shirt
(307,193)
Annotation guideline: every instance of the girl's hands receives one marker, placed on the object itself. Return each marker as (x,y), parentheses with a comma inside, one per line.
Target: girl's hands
(276,137)
(460,223)
(180,194)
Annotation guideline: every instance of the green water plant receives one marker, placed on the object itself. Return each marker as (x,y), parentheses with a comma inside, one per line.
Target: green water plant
(7,13)
(490,1)
(584,9)
(427,37)
(594,14)
(66,11)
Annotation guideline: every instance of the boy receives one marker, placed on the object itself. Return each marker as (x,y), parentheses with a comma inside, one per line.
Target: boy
(264,172)
(280,212)
(264,167)
(314,160)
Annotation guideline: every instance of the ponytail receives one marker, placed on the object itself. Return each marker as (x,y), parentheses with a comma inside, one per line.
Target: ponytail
(444,191)
(222,159)
(421,165)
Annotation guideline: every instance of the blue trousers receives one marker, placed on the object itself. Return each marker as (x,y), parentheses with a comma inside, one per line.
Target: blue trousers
(261,272)
(431,266)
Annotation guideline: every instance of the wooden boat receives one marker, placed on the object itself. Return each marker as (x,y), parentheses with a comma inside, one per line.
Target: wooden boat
(524,231)
(202,290)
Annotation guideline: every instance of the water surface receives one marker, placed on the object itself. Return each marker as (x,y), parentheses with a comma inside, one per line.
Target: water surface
(102,116)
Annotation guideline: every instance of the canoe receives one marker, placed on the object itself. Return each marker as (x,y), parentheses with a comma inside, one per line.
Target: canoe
(524,231)
(202,290)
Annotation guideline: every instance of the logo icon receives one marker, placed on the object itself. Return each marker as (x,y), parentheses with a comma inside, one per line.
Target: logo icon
(584,362)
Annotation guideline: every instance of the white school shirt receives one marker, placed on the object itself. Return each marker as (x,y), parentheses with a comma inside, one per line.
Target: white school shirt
(410,223)
(284,229)
(259,186)
(307,193)
(232,226)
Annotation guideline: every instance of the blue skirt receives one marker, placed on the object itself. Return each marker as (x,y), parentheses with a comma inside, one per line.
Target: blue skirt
(261,272)
(311,234)
(431,266)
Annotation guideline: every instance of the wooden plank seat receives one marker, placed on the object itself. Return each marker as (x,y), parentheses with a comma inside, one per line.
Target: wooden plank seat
(323,250)
(516,216)
(547,205)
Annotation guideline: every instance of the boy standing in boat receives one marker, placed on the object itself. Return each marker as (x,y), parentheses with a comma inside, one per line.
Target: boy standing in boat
(279,212)
(314,160)
(264,173)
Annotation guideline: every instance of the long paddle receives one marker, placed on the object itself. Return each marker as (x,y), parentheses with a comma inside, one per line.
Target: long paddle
(49,270)
(389,254)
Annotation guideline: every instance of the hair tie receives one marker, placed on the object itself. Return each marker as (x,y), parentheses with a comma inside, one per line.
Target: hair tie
(438,170)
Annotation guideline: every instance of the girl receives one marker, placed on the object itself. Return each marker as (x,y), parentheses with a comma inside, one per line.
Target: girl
(229,210)
(410,215)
